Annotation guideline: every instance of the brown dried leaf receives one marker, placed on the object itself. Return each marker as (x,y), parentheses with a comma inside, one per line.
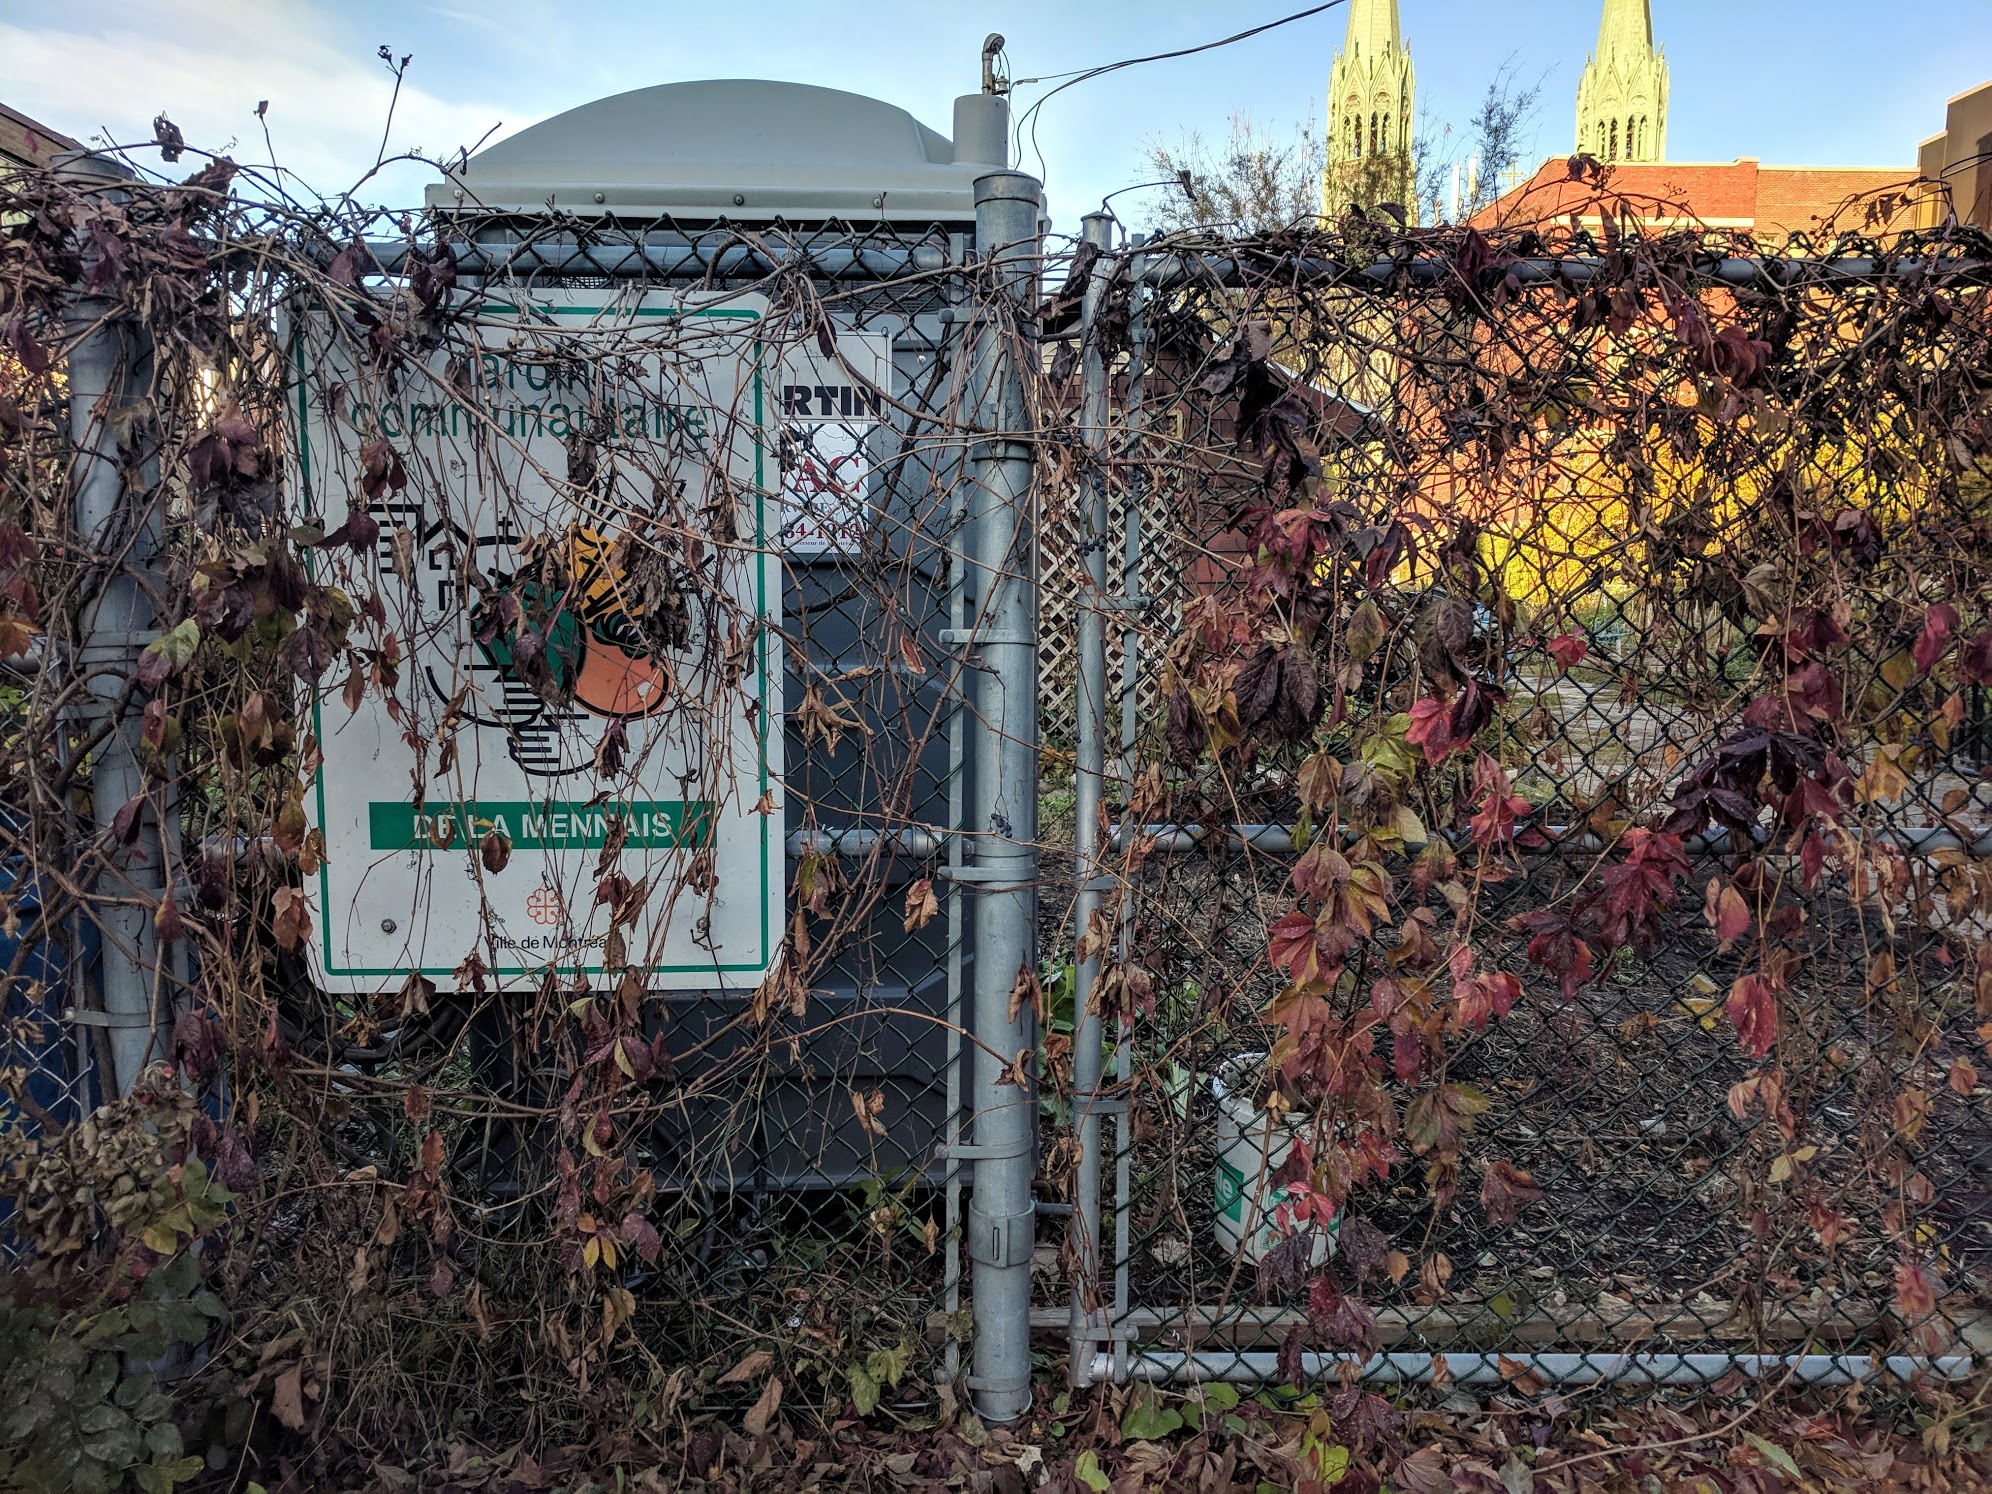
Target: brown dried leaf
(1519,1375)
(1026,989)
(287,1399)
(756,1363)
(291,920)
(921,904)
(763,1411)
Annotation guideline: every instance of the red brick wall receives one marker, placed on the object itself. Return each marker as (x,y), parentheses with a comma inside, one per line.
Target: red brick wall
(1769,200)
(1798,197)
(1717,193)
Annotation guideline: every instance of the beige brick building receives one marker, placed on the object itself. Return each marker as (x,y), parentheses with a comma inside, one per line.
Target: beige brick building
(28,142)
(1960,158)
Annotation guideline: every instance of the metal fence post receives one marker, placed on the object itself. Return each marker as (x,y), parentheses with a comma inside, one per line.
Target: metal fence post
(1088,1314)
(118,623)
(1112,1364)
(1003,646)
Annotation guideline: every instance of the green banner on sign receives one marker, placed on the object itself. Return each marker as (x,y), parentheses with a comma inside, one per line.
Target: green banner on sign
(543,825)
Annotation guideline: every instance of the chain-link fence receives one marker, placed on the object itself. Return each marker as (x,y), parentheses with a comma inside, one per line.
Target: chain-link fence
(1500,887)
(551,734)
(1565,766)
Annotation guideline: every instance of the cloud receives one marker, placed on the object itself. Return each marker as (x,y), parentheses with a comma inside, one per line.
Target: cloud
(108,69)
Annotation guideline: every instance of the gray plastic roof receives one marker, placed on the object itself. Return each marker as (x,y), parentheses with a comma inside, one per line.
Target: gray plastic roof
(736,148)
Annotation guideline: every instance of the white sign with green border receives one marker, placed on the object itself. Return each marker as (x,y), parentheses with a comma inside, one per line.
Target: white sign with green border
(578,712)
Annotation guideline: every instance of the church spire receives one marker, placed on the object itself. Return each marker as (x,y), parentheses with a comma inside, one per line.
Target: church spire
(1626,24)
(1370,92)
(1622,97)
(1373,27)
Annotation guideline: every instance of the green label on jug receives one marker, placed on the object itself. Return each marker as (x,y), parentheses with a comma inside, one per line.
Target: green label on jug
(1230,1191)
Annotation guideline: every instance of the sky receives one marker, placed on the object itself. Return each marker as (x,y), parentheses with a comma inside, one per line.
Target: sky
(1827,82)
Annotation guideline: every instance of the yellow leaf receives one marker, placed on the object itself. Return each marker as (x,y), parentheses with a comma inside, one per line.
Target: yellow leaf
(592,1251)
(1898,670)
(1884,778)
(1407,824)
(1705,1010)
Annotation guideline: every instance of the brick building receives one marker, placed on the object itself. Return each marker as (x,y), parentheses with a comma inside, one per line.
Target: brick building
(28,142)
(1960,157)
(1768,201)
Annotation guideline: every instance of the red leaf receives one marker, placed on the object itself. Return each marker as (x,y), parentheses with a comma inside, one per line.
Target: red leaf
(154,667)
(381,469)
(1974,660)
(1554,946)
(125,823)
(198,1045)
(1916,1290)
(1431,728)
(642,1234)
(1504,1190)
(1291,1367)
(33,356)
(1753,1007)
(1726,911)
(1938,625)
(1482,998)
(1342,1321)
(1407,1056)
(1500,807)
(1296,946)
(16,549)
(1568,649)
(305,653)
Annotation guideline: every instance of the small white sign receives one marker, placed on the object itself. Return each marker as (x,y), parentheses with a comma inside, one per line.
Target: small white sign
(565,684)
(829,411)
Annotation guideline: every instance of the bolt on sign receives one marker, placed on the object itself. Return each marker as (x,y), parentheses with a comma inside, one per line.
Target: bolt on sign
(829,406)
(574,555)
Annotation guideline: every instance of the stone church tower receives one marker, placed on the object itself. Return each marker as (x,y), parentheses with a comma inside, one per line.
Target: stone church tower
(1369,113)
(1622,97)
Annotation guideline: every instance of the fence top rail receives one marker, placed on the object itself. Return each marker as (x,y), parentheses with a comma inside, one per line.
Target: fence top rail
(684,258)
(1171,271)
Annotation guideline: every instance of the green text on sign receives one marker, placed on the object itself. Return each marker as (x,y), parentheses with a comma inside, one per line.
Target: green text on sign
(546,825)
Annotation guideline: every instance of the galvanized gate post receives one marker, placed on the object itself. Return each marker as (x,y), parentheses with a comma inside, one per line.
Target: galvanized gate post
(1112,1362)
(1089,1319)
(124,533)
(1002,646)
